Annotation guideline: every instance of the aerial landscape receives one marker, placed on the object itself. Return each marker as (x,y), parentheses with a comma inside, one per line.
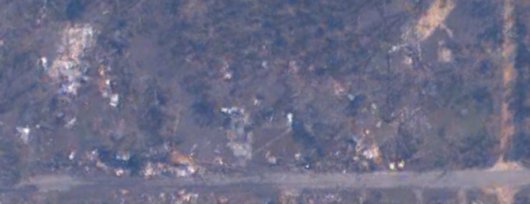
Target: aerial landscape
(266,102)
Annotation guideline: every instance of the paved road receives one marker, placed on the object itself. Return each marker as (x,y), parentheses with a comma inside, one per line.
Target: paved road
(464,179)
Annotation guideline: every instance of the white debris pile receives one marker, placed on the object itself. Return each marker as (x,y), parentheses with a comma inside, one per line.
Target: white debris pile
(395,166)
(240,139)
(104,164)
(186,197)
(179,165)
(367,150)
(184,164)
(105,87)
(68,67)
(153,169)
(372,152)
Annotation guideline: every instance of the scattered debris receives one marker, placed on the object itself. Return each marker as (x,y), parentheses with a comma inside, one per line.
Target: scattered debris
(186,197)
(293,67)
(117,163)
(372,153)
(338,88)
(240,138)
(304,136)
(151,170)
(68,67)
(288,196)
(225,69)
(241,150)
(184,163)
(432,19)
(222,200)
(505,195)
(105,86)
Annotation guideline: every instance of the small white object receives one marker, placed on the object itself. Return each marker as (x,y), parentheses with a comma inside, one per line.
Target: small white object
(270,158)
(367,131)
(394,48)
(71,88)
(401,164)
(368,154)
(70,123)
(407,60)
(71,156)
(289,119)
(298,156)
(265,64)
(378,124)
(232,110)
(124,156)
(219,160)
(392,166)
(228,110)
(44,62)
(119,172)
(228,76)
(149,170)
(256,101)
(24,133)
(114,100)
